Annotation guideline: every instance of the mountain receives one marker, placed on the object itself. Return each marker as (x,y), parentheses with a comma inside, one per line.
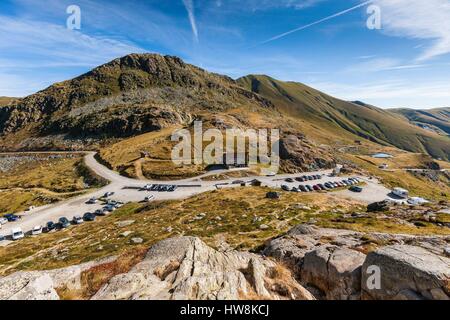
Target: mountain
(335,116)
(4,101)
(437,120)
(142,93)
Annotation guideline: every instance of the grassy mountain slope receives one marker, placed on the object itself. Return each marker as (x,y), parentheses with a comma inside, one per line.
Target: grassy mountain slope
(437,120)
(336,116)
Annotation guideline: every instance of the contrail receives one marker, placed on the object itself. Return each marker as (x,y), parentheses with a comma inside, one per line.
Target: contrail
(189,4)
(316,22)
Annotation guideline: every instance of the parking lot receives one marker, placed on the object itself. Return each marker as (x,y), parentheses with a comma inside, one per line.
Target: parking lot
(124,190)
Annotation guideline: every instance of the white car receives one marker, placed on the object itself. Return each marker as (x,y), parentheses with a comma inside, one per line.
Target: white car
(77,220)
(416,201)
(149,198)
(17,234)
(3,220)
(37,230)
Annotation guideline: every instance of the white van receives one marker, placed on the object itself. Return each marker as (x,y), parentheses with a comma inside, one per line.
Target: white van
(402,193)
(17,234)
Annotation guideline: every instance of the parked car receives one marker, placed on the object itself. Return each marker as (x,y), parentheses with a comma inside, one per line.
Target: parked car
(77,220)
(294,189)
(88,216)
(109,208)
(310,188)
(316,188)
(328,185)
(11,217)
(17,234)
(285,188)
(3,220)
(50,226)
(322,187)
(290,180)
(149,198)
(108,194)
(400,192)
(302,188)
(356,189)
(2,238)
(92,201)
(37,230)
(172,188)
(100,212)
(64,222)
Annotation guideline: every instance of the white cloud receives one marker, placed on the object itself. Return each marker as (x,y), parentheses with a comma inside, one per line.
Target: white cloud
(381,64)
(393,93)
(189,4)
(419,19)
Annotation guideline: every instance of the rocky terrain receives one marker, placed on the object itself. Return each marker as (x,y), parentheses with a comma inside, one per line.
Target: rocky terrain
(307,263)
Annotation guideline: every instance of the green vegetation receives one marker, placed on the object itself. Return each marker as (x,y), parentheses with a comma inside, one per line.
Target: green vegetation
(43,181)
(337,118)
(242,217)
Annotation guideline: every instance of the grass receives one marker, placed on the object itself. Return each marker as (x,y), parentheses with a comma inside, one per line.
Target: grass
(44,181)
(234,216)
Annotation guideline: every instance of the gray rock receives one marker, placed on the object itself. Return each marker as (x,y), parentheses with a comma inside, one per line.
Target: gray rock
(137,240)
(126,234)
(411,268)
(335,271)
(124,223)
(186,268)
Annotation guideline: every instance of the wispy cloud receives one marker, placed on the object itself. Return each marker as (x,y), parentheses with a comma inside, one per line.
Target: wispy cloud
(189,4)
(418,19)
(338,14)
(392,93)
(381,64)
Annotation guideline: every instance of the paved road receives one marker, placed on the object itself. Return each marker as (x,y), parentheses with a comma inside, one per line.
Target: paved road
(127,190)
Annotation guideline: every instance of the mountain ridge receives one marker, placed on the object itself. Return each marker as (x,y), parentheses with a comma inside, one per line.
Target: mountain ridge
(141,93)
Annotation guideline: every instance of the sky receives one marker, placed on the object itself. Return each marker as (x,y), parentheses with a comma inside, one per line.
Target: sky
(336,46)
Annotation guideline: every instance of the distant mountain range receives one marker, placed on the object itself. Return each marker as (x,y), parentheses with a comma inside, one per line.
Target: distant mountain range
(140,93)
(437,120)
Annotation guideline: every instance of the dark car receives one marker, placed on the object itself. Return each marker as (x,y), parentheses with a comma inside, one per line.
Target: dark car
(100,212)
(290,180)
(299,179)
(172,188)
(328,185)
(316,188)
(356,189)
(108,194)
(64,222)
(285,188)
(295,189)
(322,187)
(88,216)
(310,188)
(303,188)
(11,217)
(50,226)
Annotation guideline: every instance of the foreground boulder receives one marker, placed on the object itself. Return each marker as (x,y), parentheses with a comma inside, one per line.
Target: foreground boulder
(186,268)
(336,272)
(407,273)
(331,265)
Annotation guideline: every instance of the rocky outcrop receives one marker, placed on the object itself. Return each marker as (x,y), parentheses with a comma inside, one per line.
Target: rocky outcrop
(407,273)
(331,265)
(186,268)
(335,271)
(177,268)
(297,153)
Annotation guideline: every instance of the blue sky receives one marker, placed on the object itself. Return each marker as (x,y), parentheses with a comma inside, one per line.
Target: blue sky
(404,64)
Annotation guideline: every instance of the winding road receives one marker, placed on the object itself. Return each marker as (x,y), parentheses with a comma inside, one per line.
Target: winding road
(128,190)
